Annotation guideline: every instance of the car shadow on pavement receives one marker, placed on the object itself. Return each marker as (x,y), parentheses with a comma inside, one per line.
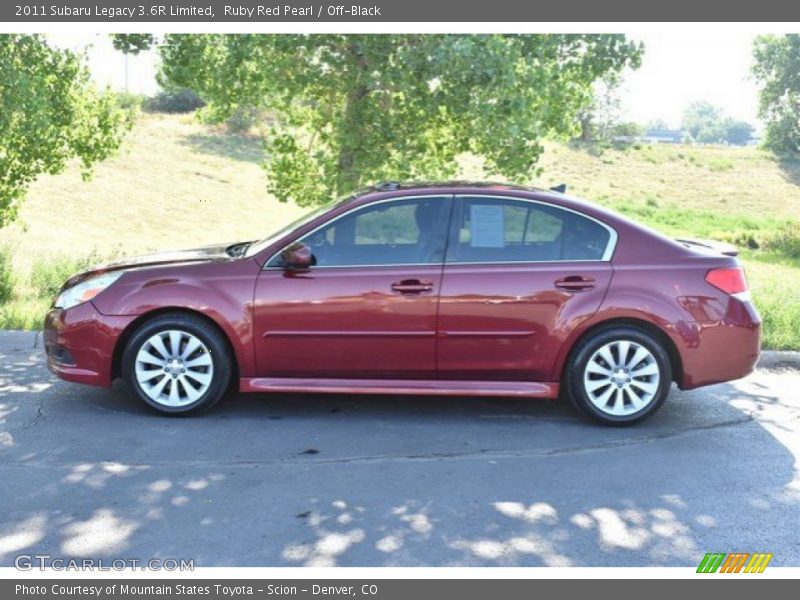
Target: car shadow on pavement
(273,480)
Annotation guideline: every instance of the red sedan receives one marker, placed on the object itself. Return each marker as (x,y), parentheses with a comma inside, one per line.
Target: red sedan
(436,289)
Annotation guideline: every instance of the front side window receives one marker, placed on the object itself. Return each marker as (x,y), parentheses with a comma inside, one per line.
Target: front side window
(507,230)
(395,232)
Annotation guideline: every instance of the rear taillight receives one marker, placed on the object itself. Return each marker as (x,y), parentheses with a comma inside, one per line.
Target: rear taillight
(730,280)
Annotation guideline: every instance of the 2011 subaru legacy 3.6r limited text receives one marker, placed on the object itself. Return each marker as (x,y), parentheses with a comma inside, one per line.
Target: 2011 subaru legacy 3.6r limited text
(459,289)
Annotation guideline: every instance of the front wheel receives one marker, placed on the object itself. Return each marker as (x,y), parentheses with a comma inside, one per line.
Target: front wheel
(619,376)
(177,363)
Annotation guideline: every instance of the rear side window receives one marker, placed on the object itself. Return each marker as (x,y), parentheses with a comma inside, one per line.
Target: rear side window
(508,230)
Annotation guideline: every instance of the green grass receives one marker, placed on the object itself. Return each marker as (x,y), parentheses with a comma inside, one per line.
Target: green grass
(178,183)
(776,293)
(24,313)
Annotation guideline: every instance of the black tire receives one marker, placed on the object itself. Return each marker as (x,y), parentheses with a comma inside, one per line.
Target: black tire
(217,350)
(573,381)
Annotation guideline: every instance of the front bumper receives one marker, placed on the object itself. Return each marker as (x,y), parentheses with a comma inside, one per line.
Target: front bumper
(80,343)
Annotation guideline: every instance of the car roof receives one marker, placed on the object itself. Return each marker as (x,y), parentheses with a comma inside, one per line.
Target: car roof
(405,186)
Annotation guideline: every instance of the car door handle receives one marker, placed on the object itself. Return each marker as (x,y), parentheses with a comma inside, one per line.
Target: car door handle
(575,283)
(412,286)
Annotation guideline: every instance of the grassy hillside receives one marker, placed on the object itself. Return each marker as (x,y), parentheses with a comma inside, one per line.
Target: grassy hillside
(178,184)
(175,184)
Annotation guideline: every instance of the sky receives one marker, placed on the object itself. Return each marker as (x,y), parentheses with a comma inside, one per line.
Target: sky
(678,67)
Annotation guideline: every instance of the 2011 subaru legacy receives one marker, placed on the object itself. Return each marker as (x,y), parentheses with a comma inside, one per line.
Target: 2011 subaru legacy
(461,289)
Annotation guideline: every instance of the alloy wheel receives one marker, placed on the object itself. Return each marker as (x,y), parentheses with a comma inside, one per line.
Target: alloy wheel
(621,378)
(174,368)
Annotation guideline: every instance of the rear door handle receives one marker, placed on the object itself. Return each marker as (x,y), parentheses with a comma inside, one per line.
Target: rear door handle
(412,286)
(575,283)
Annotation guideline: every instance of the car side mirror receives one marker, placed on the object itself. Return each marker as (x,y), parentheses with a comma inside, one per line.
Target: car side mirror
(297,256)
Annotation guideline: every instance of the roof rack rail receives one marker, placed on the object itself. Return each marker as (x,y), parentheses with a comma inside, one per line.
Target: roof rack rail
(561,188)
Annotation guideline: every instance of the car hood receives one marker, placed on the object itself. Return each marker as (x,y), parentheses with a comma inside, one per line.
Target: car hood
(214,253)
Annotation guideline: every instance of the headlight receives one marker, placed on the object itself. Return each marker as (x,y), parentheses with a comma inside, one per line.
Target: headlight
(86,290)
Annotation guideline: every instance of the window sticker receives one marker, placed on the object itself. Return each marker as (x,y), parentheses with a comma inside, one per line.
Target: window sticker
(487,223)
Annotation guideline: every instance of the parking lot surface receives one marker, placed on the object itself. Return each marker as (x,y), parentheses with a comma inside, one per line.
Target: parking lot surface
(279,480)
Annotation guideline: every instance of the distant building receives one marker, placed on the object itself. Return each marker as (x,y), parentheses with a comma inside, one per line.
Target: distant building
(755,140)
(663,136)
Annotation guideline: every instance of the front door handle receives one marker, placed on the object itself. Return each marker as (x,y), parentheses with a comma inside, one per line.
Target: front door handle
(575,283)
(412,286)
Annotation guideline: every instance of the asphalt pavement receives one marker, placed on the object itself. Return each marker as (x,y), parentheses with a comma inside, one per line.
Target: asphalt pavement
(280,480)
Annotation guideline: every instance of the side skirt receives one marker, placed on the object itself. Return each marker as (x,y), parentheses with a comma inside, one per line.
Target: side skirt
(421,387)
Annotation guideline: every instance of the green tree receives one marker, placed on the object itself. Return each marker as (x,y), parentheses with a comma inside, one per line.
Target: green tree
(702,120)
(776,67)
(349,109)
(49,114)
(132,43)
(707,124)
(599,118)
(738,133)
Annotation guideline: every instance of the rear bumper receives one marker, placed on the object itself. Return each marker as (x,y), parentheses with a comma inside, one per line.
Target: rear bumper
(80,342)
(723,350)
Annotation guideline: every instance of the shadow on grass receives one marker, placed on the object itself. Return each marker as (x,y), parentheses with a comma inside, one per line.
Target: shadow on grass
(790,167)
(597,148)
(238,147)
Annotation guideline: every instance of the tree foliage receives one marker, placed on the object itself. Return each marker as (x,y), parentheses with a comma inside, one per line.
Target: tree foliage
(49,114)
(349,109)
(707,124)
(132,43)
(776,67)
(600,117)
(738,133)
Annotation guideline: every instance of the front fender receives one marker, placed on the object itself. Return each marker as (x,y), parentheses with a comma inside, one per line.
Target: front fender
(223,295)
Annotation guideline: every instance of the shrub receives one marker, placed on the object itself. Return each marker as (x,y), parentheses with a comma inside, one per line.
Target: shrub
(740,239)
(244,119)
(785,240)
(49,274)
(129,102)
(719,165)
(181,100)
(6,275)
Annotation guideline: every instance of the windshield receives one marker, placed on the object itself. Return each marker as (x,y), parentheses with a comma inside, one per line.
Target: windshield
(274,237)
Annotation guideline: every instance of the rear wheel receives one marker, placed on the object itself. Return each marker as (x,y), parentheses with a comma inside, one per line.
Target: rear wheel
(619,376)
(178,364)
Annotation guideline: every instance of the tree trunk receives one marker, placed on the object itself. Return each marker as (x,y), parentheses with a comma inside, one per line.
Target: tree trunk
(352,136)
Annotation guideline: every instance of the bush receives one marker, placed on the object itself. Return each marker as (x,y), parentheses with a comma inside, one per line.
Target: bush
(719,165)
(244,119)
(785,240)
(6,275)
(628,129)
(131,103)
(48,275)
(740,239)
(182,100)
